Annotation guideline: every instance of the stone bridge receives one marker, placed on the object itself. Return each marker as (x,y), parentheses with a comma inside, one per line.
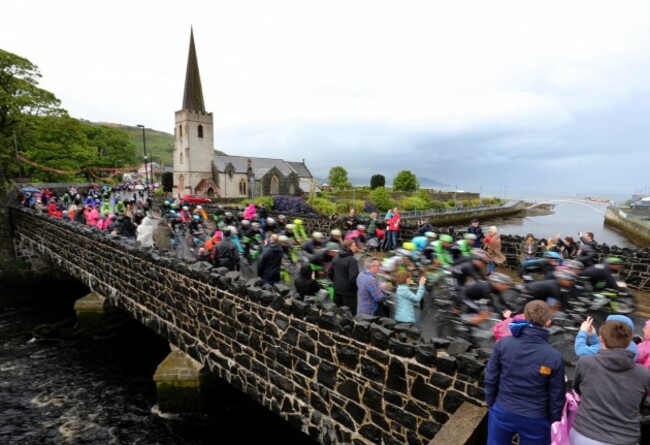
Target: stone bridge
(337,378)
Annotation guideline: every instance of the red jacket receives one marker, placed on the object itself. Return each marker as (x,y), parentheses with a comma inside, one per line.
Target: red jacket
(393,223)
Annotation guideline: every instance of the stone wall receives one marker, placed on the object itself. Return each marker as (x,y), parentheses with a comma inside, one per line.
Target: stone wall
(339,379)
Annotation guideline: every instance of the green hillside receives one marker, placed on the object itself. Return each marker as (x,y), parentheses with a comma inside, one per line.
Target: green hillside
(160,145)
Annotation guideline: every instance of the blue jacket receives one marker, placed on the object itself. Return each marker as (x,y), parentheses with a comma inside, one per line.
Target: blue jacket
(525,375)
(404,299)
(586,344)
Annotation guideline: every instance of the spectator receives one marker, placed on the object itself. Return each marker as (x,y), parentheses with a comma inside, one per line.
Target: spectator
(370,294)
(343,274)
(528,249)
(475,229)
(524,382)
(305,283)
(492,243)
(643,357)
(588,343)
(393,230)
(268,266)
(612,388)
(404,298)
(351,221)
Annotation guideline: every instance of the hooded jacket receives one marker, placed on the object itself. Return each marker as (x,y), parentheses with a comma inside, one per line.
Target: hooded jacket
(612,388)
(344,271)
(525,375)
(268,265)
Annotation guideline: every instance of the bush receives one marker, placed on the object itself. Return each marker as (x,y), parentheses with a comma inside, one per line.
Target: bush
(438,205)
(343,206)
(322,206)
(413,203)
(266,200)
(292,204)
(451,203)
(382,199)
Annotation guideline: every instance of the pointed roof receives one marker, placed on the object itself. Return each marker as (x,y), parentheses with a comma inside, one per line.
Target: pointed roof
(193,97)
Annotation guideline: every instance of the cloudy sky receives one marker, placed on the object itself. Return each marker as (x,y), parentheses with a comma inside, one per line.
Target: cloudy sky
(480,95)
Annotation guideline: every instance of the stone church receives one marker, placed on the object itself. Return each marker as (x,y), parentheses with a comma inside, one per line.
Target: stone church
(197,169)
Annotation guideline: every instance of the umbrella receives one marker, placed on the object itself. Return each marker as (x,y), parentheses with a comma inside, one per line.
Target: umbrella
(30,190)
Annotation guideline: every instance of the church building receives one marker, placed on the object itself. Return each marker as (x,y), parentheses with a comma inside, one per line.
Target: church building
(197,169)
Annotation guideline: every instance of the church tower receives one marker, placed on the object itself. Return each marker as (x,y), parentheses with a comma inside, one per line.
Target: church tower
(193,132)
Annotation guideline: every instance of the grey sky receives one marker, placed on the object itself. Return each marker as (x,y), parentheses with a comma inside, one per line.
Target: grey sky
(524,95)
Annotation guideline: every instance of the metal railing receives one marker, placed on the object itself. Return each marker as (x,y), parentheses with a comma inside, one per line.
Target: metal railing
(456,210)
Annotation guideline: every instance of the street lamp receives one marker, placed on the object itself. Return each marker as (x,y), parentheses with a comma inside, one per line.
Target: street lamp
(252,185)
(144,146)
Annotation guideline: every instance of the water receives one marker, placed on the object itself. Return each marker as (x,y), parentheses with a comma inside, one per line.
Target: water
(102,392)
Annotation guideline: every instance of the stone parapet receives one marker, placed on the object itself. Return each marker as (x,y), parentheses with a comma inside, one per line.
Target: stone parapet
(340,379)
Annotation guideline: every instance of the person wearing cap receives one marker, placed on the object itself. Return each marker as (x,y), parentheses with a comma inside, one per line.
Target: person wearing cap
(343,273)
(322,258)
(314,243)
(524,382)
(269,263)
(602,276)
(587,341)
(199,210)
(612,388)
(289,232)
(475,229)
(464,246)
(643,348)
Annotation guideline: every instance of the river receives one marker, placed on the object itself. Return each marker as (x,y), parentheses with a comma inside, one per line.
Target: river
(101,392)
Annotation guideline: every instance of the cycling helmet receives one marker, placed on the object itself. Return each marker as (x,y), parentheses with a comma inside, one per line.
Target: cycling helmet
(245,223)
(430,235)
(255,225)
(361,228)
(336,232)
(297,222)
(499,278)
(282,218)
(186,208)
(614,260)
(233,230)
(196,217)
(317,235)
(446,239)
(290,227)
(198,207)
(565,274)
(573,264)
(469,236)
(166,203)
(408,246)
(228,215)
(173,212)
(283,239)
(332,246)
(270,221)
(552,255)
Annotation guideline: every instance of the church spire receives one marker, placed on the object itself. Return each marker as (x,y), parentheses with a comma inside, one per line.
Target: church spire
(193,97)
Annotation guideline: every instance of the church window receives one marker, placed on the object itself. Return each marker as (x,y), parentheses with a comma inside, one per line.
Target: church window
(180,130)
(181,157)
(275,186)
(200,131)
(243,187)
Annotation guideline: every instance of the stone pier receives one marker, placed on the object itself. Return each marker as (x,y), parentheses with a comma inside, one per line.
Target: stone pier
(178,383)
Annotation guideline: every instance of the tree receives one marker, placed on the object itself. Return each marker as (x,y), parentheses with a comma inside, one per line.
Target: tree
(20,97)
(338,177)
(377,181)
(405,181)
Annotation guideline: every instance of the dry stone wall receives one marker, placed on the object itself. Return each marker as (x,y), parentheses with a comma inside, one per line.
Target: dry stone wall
(340,380)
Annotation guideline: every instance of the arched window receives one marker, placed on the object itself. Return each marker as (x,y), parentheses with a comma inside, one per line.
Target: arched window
(243,187)
(200,130)
(275,186)
(180,130)
(181,157)
(292,189)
